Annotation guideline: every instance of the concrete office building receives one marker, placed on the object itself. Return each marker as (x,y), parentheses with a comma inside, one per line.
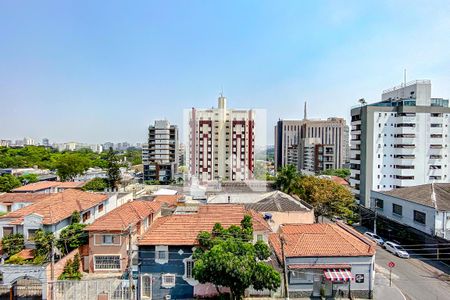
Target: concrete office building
(160,154)
(302,142)
(221,143)
(400,141)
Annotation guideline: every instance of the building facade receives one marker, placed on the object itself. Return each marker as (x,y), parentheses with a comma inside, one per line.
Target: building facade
(424,207)
(221,143)
(302,142)
(160,155)
(400,141)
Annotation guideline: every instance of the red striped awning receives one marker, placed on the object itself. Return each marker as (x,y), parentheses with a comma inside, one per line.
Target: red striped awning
(338,274)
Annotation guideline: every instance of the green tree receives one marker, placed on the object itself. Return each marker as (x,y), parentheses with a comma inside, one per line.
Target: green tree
(287,179)
(327,197)
(113,169)
(70,165)
(13,243)
(73,236)
(43,242)
(8,182)
(71,269)
(96,185)
(343,173)
(29,178)
(227,257)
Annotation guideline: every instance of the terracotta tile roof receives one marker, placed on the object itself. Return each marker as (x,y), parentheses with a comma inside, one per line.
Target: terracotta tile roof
(26,254)
(183,229)
(318,266)
(71,184)
(37,186)
(127,214)
(21,197)
(171,200)
(423,194)
(318,240)
(58,206)
(339,180)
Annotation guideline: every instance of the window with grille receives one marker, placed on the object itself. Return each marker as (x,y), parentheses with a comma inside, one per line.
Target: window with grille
(419,217)
(397,209)
(107,262)
(189,265)
(168,280)
(146,286)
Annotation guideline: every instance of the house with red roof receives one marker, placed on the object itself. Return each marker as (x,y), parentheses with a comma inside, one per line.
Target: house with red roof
(109,235)
(165,250)
(46,187)
(53,212)
(331,260)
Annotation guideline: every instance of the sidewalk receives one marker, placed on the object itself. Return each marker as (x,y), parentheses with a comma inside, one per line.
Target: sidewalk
(382,290)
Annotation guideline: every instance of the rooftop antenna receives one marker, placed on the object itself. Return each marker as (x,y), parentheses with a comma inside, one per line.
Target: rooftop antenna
(305,115)
(404,82)
(221,91)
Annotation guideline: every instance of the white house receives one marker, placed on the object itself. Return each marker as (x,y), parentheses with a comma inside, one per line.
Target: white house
(423,207)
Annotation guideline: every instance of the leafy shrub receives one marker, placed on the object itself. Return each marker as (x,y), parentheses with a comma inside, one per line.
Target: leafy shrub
(13,243)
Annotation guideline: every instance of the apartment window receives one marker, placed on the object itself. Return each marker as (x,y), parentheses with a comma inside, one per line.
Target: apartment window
(379,203)
(107,262)
(397,209)
(107,239)
(100,208)
(168,280)
(419,217)
(86,216)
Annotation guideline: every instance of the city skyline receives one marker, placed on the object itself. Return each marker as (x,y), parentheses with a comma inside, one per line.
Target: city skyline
(105,72)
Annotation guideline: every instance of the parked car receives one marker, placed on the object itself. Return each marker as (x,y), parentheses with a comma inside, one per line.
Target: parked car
(396,249)
(374,237)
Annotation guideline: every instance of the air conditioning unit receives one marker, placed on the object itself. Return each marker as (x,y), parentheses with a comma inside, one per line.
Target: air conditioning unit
(167,297)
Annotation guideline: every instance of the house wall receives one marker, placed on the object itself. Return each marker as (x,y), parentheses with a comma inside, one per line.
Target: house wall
(174,265)
(96,247)
(291,217)
(359,265)
(14,206)
(11,273)
(407,217)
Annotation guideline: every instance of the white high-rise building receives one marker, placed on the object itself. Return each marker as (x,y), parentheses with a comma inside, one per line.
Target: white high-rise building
(221,143)
(400,141)
(27,141)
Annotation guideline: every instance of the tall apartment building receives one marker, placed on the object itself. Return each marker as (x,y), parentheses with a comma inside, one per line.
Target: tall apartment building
(302,143)
(221,143)
(160,154)
(400,141)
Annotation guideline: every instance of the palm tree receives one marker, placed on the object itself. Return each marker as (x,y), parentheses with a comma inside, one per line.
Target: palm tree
(287,179)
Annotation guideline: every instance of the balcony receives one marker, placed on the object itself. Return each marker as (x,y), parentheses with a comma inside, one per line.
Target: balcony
(436,146)
(404,172)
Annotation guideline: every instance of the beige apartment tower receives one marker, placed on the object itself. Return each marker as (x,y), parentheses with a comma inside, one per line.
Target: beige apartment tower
(221,143)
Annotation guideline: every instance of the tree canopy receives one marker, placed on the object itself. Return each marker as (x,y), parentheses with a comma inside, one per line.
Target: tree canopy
(96,185)
(112,169)
(9,182)
(70,165)
(326,196)
(287,179)
(228,258)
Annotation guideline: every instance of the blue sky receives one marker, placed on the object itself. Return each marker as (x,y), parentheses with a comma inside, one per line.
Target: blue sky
(96,71)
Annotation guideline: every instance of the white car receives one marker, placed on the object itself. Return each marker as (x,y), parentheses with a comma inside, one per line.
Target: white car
(396,249)
(374,237)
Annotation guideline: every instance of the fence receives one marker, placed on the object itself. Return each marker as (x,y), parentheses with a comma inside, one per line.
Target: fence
(105,289)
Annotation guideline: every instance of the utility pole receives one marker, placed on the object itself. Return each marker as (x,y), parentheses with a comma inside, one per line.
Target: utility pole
(375,217)
(286,287)
(130,270)
(52,268)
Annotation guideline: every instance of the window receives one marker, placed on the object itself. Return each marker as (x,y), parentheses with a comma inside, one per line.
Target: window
(31,234)
(86,216)
(188,267)
(100,208)
(419,217)
(107,262)
(107,239)
(161,254)
(7,231)
(397,209)
(146,286)
(302,276)
(379,203)
(168,280)
(259,237)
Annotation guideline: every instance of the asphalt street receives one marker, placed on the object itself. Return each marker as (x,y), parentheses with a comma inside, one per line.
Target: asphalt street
(416,279)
